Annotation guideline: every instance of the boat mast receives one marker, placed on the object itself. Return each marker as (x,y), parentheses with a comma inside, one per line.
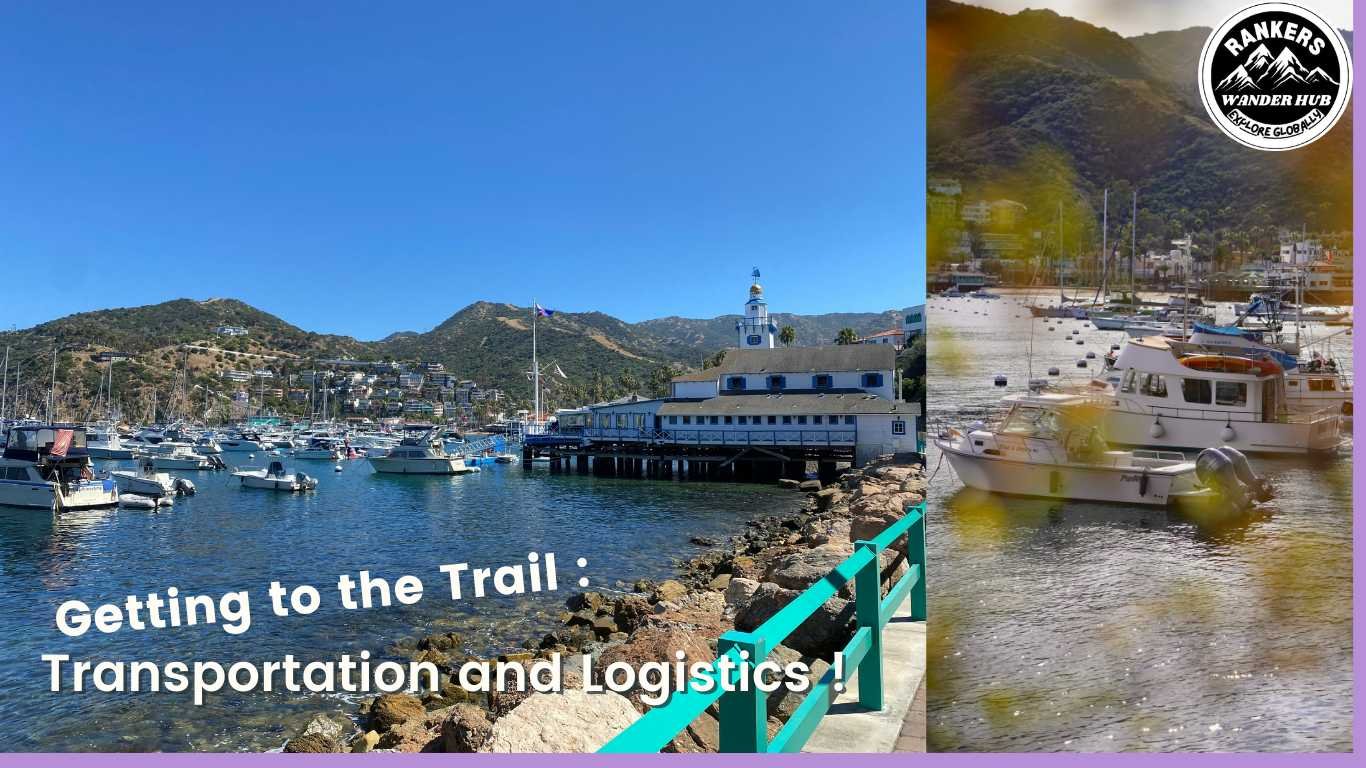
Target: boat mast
(51,393)
(1062,283)
(4,384)
(1104,249)
(535,367)
(1133,251)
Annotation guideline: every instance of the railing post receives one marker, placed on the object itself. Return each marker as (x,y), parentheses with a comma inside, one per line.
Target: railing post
(915,555)
(744,713)
(867,611)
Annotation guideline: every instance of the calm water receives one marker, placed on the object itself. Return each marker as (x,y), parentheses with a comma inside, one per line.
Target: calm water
(230,538)
(1092,627)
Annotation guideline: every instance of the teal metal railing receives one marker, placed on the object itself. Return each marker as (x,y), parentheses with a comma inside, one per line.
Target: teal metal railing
(743,713)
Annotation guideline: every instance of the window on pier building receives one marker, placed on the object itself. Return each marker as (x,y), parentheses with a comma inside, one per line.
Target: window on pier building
(872,380)
(801,419)
(815,419)
(776,383)
(772,419)
(687,419)
(713,420)
(1230,393)
(787,419)
(673,419)
(822,381)
(735,382)
(729,420)
(849,420)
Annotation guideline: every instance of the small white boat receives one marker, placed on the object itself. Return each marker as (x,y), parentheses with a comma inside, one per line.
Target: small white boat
(133,501)
(144,481)
(321,449)
(275,478)
(181,457)
(1050,445)
(105,444)
(249,443)
(207,446)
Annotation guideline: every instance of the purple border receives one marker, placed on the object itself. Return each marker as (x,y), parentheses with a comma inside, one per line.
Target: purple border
(1041,760)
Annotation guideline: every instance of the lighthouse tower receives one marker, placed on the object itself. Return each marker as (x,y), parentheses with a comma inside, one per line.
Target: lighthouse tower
(755,330)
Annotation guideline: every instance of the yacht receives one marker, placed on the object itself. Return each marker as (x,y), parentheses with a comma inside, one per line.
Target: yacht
(31,475)
(244,443)
(1171,395)
(322,448)
(182,457)
(420,453)
(1050,445)
(104,443)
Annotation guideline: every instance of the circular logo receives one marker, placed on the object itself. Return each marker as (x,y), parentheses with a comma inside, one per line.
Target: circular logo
(1275,76)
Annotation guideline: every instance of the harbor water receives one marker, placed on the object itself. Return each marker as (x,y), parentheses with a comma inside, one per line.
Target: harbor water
(1077,626)
(230,538)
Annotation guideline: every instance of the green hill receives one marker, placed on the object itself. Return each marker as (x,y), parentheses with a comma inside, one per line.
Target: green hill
(1043,109)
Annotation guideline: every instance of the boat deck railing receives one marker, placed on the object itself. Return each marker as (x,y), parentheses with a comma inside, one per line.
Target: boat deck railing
(729,437)
(744,713)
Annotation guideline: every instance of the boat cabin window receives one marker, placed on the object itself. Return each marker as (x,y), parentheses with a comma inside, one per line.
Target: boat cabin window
(1230,393)
(16,473)
(1027,421)
(1322,385)
(1153,385)
(1130,381)
(1196,391)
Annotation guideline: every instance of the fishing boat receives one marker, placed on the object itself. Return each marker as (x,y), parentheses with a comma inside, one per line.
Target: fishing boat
(420,453)
(1169,395)
(48,467)
(276,478)
(145,480)
(1050,445)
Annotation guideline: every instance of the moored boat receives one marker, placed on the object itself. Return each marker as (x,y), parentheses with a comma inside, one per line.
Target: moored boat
(48,467)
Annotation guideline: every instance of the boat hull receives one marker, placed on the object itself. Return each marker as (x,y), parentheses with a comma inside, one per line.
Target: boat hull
(1073,482)
(142,486)
(35,495)
(424,466)
(1179,433)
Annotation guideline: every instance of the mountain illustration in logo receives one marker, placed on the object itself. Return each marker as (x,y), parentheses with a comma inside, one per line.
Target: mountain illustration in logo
(1261,71)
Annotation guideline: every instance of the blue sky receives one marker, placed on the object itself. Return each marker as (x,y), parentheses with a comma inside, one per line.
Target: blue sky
(363,168)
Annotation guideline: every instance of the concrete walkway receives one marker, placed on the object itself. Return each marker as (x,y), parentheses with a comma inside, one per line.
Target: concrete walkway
(896,727)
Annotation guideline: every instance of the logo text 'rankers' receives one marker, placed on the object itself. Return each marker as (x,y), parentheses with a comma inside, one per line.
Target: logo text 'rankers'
(1265,30)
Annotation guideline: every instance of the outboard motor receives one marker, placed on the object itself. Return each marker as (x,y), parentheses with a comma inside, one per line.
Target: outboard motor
(1261,489)
(1216,472)
(216,461)
(183,487)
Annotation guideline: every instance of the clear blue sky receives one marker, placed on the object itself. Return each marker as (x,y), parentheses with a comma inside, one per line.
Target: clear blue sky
(364,168)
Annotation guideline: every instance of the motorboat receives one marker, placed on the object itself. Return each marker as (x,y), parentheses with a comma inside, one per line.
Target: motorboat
(105,444)
(420,453)
(185,457)
(1171,395)
(207,446)
(1310,386)
(48,467)
(245,443)
(320,448)
(145,480)
(276,478)
(1051,445)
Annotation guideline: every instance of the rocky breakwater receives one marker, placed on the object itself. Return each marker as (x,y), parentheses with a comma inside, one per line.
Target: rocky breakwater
(736,584)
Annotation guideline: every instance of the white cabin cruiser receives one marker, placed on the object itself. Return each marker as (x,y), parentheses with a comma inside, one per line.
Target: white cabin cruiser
(246,443)
(184,457)
(321,448)
(1168,396)
(422,453)
(105,444)
(275,478)
(1050,445)
(48,467)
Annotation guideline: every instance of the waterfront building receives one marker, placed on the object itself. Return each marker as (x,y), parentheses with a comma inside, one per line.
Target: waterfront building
(893,336)
(914,325)
(1301,252)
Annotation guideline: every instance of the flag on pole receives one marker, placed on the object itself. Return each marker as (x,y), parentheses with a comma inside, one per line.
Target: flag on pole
(61,443)
(543,312)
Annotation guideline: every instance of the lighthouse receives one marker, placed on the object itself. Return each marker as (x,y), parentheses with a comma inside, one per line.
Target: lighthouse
(755,330)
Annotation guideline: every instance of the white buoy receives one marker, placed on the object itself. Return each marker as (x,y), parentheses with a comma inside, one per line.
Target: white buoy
(337,468)
(251,455)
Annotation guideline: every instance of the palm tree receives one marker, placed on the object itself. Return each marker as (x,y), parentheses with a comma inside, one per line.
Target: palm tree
(846,336)
(787,335)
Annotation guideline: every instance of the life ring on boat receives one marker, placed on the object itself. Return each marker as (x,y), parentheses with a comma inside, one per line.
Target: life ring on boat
(1228,364)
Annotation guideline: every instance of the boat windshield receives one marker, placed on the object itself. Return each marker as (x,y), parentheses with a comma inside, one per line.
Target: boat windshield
(1029,421)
